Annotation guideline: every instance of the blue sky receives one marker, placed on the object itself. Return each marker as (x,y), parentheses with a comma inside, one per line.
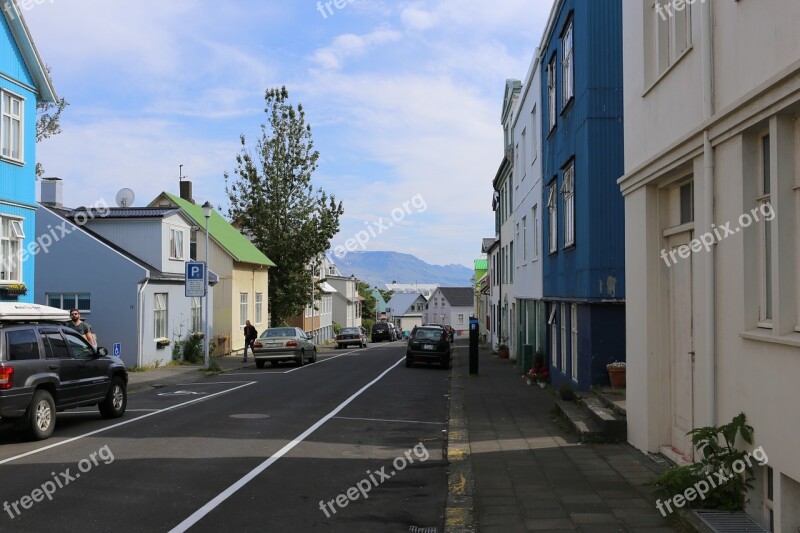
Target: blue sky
(403,99)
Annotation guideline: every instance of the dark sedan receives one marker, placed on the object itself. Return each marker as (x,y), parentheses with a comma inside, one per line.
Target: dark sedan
(428,345)
(350,336)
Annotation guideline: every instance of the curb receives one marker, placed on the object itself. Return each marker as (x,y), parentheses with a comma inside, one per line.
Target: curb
(460,504)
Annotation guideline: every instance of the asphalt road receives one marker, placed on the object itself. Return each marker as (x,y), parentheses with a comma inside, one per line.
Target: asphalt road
(353,442)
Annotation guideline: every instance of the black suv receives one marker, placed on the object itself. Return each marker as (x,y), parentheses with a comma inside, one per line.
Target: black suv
(381,331)
(47,367)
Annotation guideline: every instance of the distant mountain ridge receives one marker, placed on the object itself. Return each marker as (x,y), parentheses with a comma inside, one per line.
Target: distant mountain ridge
(380,268)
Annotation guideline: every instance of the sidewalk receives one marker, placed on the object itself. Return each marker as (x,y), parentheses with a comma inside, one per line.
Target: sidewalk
(514,469)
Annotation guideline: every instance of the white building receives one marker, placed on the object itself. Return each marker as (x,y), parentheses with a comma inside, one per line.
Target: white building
(712,196)
(346,301)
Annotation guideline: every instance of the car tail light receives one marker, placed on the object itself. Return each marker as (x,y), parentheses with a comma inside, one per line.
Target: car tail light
(6,377)
(291,343)
(257,345)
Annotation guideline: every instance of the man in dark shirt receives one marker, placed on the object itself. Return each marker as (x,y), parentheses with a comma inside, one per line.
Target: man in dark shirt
(81,326)
(250,336)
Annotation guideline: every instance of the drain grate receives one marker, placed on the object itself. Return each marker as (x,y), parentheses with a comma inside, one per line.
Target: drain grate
(724,522)
(417,529)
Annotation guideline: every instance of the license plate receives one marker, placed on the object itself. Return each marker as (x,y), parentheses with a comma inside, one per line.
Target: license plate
(428,347)
(274,344)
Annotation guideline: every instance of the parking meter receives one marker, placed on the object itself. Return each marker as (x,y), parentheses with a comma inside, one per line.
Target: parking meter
(474,335)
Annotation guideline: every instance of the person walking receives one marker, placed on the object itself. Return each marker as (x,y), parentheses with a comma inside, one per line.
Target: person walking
(250,336)
(81,326)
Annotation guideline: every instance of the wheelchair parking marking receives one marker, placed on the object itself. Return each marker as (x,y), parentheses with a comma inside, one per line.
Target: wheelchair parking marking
(119,424)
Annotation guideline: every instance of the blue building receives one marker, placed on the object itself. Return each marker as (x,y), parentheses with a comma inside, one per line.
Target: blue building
(583,214)
(23,82)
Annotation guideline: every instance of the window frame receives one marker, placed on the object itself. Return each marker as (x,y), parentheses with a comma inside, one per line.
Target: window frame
(196,307)
(77,300)
(160,316)
(525,239)
(11,246)
(259,310)
(567,65)
(176,244)
(552,210)
(563,327)
(568,196)
(244,300)
(766,297)
(552,105)
(7,122)
(573,324)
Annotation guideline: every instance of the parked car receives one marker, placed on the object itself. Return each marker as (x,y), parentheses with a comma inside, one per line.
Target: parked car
(395,332)
(284,344)
(428,344)
(46,367)
(381,332)
(350,336)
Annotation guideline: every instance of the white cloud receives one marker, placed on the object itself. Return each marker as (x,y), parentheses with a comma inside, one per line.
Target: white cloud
(351,45)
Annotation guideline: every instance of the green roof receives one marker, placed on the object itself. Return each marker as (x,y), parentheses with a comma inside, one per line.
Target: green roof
(481,264)
(228,237)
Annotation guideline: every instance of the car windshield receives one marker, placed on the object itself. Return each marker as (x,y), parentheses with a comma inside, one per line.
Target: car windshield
(278,332)
(428,334)
(351,331)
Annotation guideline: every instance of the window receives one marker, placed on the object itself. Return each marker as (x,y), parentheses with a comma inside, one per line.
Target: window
(22,345)
(535,233)
(568,191)
(175,244)
(197,315)
(54,345)
(567,67)
(687,203)
(460,319)
(11,236)
(573,322)
(511,262)
(517,231)
(242,308)
(534,136)
(160,315)
(765,237)
(553,333)
(82,301)
(11,126)
(523,156)
(551,92)
(553,215)
(564,338)
(671,34)
(260,306)
(524,238)
(78,347)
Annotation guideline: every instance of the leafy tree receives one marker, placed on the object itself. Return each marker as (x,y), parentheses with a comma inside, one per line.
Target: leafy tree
(273,200)
(370,302)
(48,122)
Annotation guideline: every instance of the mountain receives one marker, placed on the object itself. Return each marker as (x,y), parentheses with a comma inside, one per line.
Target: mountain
(379,268)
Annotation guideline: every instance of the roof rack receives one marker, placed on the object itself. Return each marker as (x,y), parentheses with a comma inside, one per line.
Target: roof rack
(25,312)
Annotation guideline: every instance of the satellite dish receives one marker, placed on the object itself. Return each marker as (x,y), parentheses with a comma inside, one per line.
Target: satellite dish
(125,197)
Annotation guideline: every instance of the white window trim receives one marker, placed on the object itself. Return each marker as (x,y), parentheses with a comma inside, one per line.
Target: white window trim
(524,240)
(175,247)
(244,308)
(259,310)
(567,66)
(552,210)
(156,313)
(20,119)
(563,337)
(551,93)
(15,254)
(535,231)
(764,262)
(568,193)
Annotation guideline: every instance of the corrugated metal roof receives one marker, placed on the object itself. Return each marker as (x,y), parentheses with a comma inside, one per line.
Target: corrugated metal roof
(231,239)
(123,212)
(481,264)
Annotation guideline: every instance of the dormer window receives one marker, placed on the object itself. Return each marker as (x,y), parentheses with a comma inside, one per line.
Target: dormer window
(175,244)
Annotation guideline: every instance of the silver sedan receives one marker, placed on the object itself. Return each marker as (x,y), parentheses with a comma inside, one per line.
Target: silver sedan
(284,344)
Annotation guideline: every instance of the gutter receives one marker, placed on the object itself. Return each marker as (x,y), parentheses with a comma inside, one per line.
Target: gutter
(140,319)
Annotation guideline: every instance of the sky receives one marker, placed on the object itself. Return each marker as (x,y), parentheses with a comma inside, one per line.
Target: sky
(403,98)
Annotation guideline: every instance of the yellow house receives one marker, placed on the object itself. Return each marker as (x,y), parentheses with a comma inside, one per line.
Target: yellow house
(243,271)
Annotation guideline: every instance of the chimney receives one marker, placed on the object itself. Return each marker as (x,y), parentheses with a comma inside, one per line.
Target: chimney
(186,190)
(51,192)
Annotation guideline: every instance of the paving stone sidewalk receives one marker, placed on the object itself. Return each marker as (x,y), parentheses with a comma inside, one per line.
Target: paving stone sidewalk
(529,474)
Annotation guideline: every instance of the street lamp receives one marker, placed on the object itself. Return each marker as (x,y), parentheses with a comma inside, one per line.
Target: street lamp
(206,213)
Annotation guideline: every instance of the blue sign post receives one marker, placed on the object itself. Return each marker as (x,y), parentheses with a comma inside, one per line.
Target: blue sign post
(195,279)
(117,349)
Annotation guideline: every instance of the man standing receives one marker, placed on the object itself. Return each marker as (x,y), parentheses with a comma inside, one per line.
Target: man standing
(250,336)
(81,326)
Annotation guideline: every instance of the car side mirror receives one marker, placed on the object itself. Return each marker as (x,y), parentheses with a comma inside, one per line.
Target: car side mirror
(102,351)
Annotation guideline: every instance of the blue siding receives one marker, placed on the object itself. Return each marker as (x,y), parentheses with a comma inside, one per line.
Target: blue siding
(11,62)
(590,133)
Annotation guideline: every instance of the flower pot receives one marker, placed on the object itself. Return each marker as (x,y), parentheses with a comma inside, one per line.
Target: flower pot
(529,382)
(617,376)
(503,352)
(541,384)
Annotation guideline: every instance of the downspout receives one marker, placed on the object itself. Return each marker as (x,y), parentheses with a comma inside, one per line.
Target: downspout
(140,319)
(710,340)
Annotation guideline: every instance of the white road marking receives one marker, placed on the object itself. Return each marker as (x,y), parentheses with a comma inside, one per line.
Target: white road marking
(95,432)
(227,493)
(388,420)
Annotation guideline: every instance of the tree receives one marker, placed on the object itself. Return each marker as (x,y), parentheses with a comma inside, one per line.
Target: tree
(274,202)
(48,122)
(370,304)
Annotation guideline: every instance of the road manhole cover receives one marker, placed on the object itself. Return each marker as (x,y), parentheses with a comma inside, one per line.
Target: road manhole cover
(251,415)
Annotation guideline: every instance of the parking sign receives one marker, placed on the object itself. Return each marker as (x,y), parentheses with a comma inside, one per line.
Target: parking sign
(195,279)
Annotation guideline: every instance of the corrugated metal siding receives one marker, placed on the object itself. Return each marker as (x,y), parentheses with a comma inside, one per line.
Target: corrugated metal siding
(141,238)
(11,62)
(29,263)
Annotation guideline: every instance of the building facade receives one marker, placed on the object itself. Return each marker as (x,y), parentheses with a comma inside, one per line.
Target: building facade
(712,197)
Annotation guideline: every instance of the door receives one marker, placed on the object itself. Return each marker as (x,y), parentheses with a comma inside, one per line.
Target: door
(61,363)
(93,371)
(681,350)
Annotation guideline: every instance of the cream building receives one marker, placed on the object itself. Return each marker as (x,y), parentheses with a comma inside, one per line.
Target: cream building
(712,196)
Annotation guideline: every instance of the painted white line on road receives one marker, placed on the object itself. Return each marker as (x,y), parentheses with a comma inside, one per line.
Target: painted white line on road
(95,432)
(227,493)
(388,420)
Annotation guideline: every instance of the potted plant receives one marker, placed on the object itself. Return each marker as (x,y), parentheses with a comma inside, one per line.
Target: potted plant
(502,347)
(616,373)
(162,342)
(566,393)
(539,375)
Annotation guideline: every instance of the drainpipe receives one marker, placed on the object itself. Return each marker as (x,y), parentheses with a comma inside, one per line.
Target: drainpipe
(710,340)
(140,319)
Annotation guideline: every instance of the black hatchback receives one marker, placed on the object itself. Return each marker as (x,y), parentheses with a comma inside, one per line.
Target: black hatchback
(46,367)
(428,344)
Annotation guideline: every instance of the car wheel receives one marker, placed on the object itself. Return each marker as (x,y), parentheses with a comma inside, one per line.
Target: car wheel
(339,346)
(116,400)
(274,363)
(302,359)
(314,356)
(260,363)
(42,415)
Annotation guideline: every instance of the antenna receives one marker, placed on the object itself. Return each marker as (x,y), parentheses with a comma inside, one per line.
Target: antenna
(125,197)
